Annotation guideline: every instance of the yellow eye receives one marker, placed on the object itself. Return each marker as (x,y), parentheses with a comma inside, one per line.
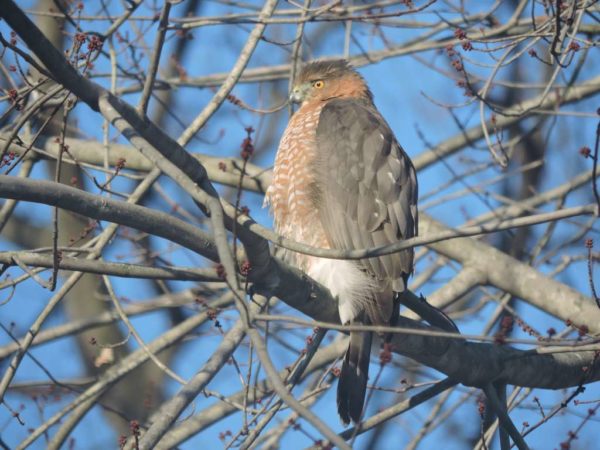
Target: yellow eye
(318,84)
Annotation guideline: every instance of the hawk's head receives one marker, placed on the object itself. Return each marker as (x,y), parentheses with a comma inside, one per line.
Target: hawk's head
(326,80)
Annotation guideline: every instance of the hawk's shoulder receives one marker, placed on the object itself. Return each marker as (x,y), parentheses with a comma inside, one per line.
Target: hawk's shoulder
(345,111)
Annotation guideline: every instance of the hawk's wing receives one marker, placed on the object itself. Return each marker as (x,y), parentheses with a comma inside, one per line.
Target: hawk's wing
(366,186)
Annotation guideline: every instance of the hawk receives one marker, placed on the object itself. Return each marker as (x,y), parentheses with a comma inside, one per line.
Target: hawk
(342,181)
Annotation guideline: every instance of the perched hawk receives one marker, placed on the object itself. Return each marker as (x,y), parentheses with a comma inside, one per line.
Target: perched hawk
(342,181)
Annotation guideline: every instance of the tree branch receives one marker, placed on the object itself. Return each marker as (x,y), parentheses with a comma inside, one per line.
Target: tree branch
(110,268)
(304,294)
(103,208)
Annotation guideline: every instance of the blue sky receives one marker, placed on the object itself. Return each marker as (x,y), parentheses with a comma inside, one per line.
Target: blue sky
(402,87)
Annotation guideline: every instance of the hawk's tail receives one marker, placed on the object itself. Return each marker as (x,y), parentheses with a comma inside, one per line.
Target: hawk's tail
(352,385)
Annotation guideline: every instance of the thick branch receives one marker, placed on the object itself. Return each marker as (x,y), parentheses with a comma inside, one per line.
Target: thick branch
(517,278)
(220,170)
(469,363)
(109,268)
(500,269)
(101,208)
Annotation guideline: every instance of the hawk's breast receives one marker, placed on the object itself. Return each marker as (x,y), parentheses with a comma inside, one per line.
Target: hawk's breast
(290,194)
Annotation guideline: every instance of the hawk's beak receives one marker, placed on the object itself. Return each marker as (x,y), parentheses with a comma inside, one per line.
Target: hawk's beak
(297,95)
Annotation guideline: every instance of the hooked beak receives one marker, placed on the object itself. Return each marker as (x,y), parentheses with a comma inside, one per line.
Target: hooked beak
(297,94)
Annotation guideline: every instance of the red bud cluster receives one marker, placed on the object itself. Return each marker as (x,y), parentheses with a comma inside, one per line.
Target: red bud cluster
(460,34)
(247,145)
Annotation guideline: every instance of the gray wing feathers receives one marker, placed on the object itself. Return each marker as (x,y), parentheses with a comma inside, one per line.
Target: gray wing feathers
(366,186)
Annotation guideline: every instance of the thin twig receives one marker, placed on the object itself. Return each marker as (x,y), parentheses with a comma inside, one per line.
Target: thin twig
(155,59)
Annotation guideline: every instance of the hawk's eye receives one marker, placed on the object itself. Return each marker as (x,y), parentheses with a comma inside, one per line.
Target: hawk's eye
(318,84)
